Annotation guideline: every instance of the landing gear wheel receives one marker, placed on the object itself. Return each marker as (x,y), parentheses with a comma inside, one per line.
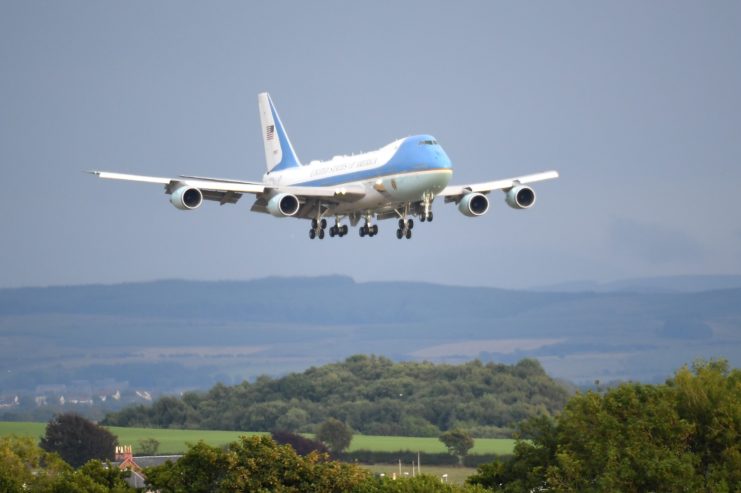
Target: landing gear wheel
(312,233)
(422,218)
(332,231)
(429,217)
(314,223)
(375,229)
(399,233)
(321,234)
(323,223)
(410,224)
(362,231)
(401,223)
(409,233)
(344,229)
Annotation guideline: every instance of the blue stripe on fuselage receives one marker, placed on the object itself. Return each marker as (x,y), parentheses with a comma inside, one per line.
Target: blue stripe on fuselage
(410,157)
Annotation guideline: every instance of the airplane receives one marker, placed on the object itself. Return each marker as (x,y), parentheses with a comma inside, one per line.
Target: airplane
(400,181)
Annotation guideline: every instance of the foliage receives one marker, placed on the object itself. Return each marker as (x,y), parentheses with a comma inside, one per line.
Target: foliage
(373,395)
(148,446)
(24,466)
(681,436)
(458,442)
(78,440)
(256,464)
(301,444)
(418,484)
(335,434)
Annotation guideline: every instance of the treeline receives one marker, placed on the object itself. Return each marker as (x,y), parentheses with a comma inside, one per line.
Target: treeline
(373,395)
(682,436)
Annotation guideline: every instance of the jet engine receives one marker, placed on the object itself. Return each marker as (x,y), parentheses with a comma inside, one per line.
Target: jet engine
(473,204)
(520,197)
(283,205)
(186,198)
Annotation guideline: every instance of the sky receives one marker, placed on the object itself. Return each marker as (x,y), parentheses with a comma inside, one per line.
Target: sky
(636,104)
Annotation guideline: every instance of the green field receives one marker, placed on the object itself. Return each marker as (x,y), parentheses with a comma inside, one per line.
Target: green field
(174,441)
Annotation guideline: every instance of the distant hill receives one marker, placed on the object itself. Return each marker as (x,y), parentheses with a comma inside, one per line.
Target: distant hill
(668,284)
(85,343)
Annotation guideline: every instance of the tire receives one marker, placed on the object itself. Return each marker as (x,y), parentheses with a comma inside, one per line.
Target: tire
(321,234)
(375,229)
(410,224)
(429,217)
(344,229)
(401,223)
(399,233)
(362,231)
(409,234)
(323,223)
(313,224)
(312,234)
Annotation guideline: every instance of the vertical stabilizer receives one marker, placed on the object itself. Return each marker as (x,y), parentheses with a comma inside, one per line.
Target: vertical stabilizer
(279,153)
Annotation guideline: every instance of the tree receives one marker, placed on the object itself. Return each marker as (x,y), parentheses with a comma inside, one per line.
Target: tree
(78,440)
(257,464)
(458,442)
(24,466)
(335,434)
(301,444)
(681,436)
(148,446)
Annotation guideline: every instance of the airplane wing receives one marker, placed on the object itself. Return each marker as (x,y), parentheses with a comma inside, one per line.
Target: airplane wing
(454,192)
(229,191)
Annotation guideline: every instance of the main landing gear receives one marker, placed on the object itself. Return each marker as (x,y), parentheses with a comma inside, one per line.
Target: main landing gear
(338,229)
(405,229)
(317,228)
(368,229)
(319,225)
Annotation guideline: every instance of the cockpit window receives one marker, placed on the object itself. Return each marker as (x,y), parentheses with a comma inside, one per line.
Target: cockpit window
(427,142)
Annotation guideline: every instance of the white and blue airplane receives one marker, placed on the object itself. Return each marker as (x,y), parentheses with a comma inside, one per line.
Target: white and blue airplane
(397,181)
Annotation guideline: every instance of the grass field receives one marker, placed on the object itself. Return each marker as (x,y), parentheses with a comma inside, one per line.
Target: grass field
(174,441)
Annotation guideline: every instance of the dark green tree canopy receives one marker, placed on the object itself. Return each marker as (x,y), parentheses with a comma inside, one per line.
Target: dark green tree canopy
(681,436)
(335,434)
(78,440)
(373,395)
(458,442)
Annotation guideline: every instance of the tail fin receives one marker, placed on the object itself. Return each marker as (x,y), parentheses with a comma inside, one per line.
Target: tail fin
(279,153)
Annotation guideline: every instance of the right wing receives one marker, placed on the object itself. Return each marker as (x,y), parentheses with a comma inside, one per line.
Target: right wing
(454,192)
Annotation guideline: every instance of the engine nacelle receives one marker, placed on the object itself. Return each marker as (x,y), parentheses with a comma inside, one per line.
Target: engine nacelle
(520,197)
(473,204)
(283,205)
(186,198)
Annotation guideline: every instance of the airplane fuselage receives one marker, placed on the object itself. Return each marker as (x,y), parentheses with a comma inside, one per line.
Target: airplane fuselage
(402,171)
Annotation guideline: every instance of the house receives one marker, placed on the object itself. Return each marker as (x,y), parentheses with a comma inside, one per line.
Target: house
(125,460)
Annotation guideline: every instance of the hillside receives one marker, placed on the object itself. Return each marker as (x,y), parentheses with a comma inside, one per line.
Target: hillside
(374,395)
(129,342)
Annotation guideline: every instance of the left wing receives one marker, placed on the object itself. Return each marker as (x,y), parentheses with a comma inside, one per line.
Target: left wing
(455,192)
(229,191)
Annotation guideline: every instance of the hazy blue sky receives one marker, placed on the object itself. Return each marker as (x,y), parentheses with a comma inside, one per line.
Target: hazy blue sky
(637,104)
